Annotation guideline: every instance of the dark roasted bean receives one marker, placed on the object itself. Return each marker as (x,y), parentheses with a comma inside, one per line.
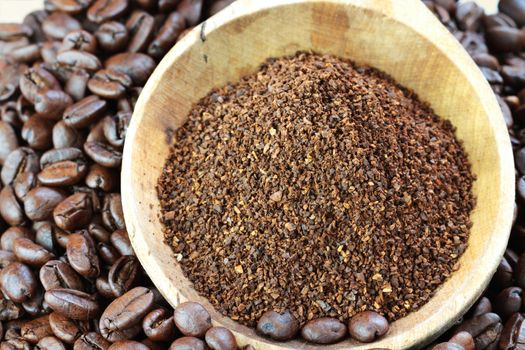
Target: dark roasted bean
(72,303)
(192,319)
(66,136)
(324,330)
(62,167)
(123,274)
(112,36)
(84,112)
(505,39)
(40,202)
(103,287)
(18,282)
(21,160)
(98,232)
(50,104)
(468,16)
(220,338)
(102,178)
(136,65)
(483,306)
(113,219)
(186,343)
(10,78)
(36,80)
(66,329)
(36,306)
(508,302)
(7,238)
(33,331)
(26,54)
(190,10)
(38,133)
(13,31)
(8,140)
(30,253)
(120,240)
(109,84)
(105,10)
(513,333)
(58,274)
(447,346)
(50,343)
(107,253)
(6,258)
(57,25)
(49,51)
(76,59)
(367,326)
(128,345)
(24,183)
(103,154)
(158,326)
(79,40)
(76,85)
(141,29)
(91,341)
(82,255)
(514,9)
(10,209)
(9,310)
(519,272)
(74,212)
(485,329)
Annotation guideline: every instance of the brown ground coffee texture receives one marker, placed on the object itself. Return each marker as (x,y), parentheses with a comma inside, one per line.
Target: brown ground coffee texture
(318,186)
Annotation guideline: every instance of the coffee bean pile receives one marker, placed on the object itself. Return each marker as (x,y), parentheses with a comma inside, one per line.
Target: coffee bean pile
(319,187)
(69,79)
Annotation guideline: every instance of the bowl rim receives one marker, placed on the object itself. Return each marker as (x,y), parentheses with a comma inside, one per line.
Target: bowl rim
(395,9)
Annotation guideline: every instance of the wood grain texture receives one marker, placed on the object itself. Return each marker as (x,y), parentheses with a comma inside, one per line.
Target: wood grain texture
(400,37)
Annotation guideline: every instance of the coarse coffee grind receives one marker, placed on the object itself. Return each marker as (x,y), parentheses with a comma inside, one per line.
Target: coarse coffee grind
(318,186)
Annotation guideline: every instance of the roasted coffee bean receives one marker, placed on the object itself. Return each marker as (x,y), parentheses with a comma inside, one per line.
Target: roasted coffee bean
(137,66)
(278,326)
(37,132)
(91,341)
(76,85)
(190,10)
(468,16)
(447,346)
(96,134)
(82,255)
(34,21)
(98,232)
(33,331)
(120,240)
(141,29)
(74,212)
(50,343)
(12,233)
(24,183)
(113,219)
(76,59)
(8,140)
(158,326)
(62,167)
(367,326)
(508,302)
(103,154)
(10,78)
(498,20)
(57,274)
(10,209)
(9,114)
(15,344)
(220,338)
(59,155)
(112,36)
(483,306)
(40,202)
(485,329)
(49,51)
(6,258)
(45,236)
(505,39)
(36,80)
(519,272)
(72,303)
(123,274)
(13,31)
(102,178)
(80,40)
(26,54)
(188,343)
(192,319)
(66,136)
(84,112)
(125,312)
(103,287)
(513,76)
(57,25)
(168,34)
(513,333)
(514,9)
(9,310)
(324,330)
(66,329)
(30,253)
(71,6)
(21,160)
(50,104)
(109,84)
(18,282)
(105,10)
(36,306)
(107,253)
(128,345)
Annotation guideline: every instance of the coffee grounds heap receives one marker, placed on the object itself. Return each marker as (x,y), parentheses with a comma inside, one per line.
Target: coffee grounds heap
(318,186)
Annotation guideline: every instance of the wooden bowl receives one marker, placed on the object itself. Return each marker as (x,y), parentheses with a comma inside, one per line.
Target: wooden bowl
(400,37)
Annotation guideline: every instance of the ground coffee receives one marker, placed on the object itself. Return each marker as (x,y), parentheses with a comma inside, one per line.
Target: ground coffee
(318,186)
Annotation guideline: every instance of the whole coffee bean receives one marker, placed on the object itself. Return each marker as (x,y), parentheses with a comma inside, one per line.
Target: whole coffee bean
(59,155)
(447,346)
(15,344)
(513,76)
(18,282)
(120,240)
(514,9)
(30,253)
(126,311)
(141,29)
(82,255)
(485,329)
(519,272)
(103,154)
(57,25)
(192,319)
(367,326)
(10,78)
(33,331)
(8,141)
(36,306)
(37,132)
(128,345)
(40,202)
(74,212)
(45,236)
(103,287)
(6,258)
(513,333)
(468,16)
(49,51)
(220,338)
(168,34)
(158,326)
(84,112)
(76,84)
(107,253)
(72,303)
(102,178)
(13,31)
(96,133)
(190,10)
(66,329)
(483,306)
(50,104)
(26,54)
(80,40)
(98,232)
(498,20)
(123,274)
(57,274)
(21,160)
(324,330)
(66,136)
(10,209)
(9,310)
(71,6)
(113,219)
(137,66)
(508,302)
(76,59)
(91,341)
(36,80)
(464,339)
(188,343)
(8,237)
(105,10)
(50,343)
(505,39)
(112,36)
(109,84)
(62,167)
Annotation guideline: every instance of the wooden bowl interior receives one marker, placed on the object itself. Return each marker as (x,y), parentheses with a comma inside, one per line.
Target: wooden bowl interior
(399,37)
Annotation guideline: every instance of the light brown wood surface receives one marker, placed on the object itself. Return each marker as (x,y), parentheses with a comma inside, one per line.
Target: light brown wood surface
(399,37)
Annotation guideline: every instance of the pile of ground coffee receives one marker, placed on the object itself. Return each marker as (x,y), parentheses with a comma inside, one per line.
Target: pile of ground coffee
(316,186)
